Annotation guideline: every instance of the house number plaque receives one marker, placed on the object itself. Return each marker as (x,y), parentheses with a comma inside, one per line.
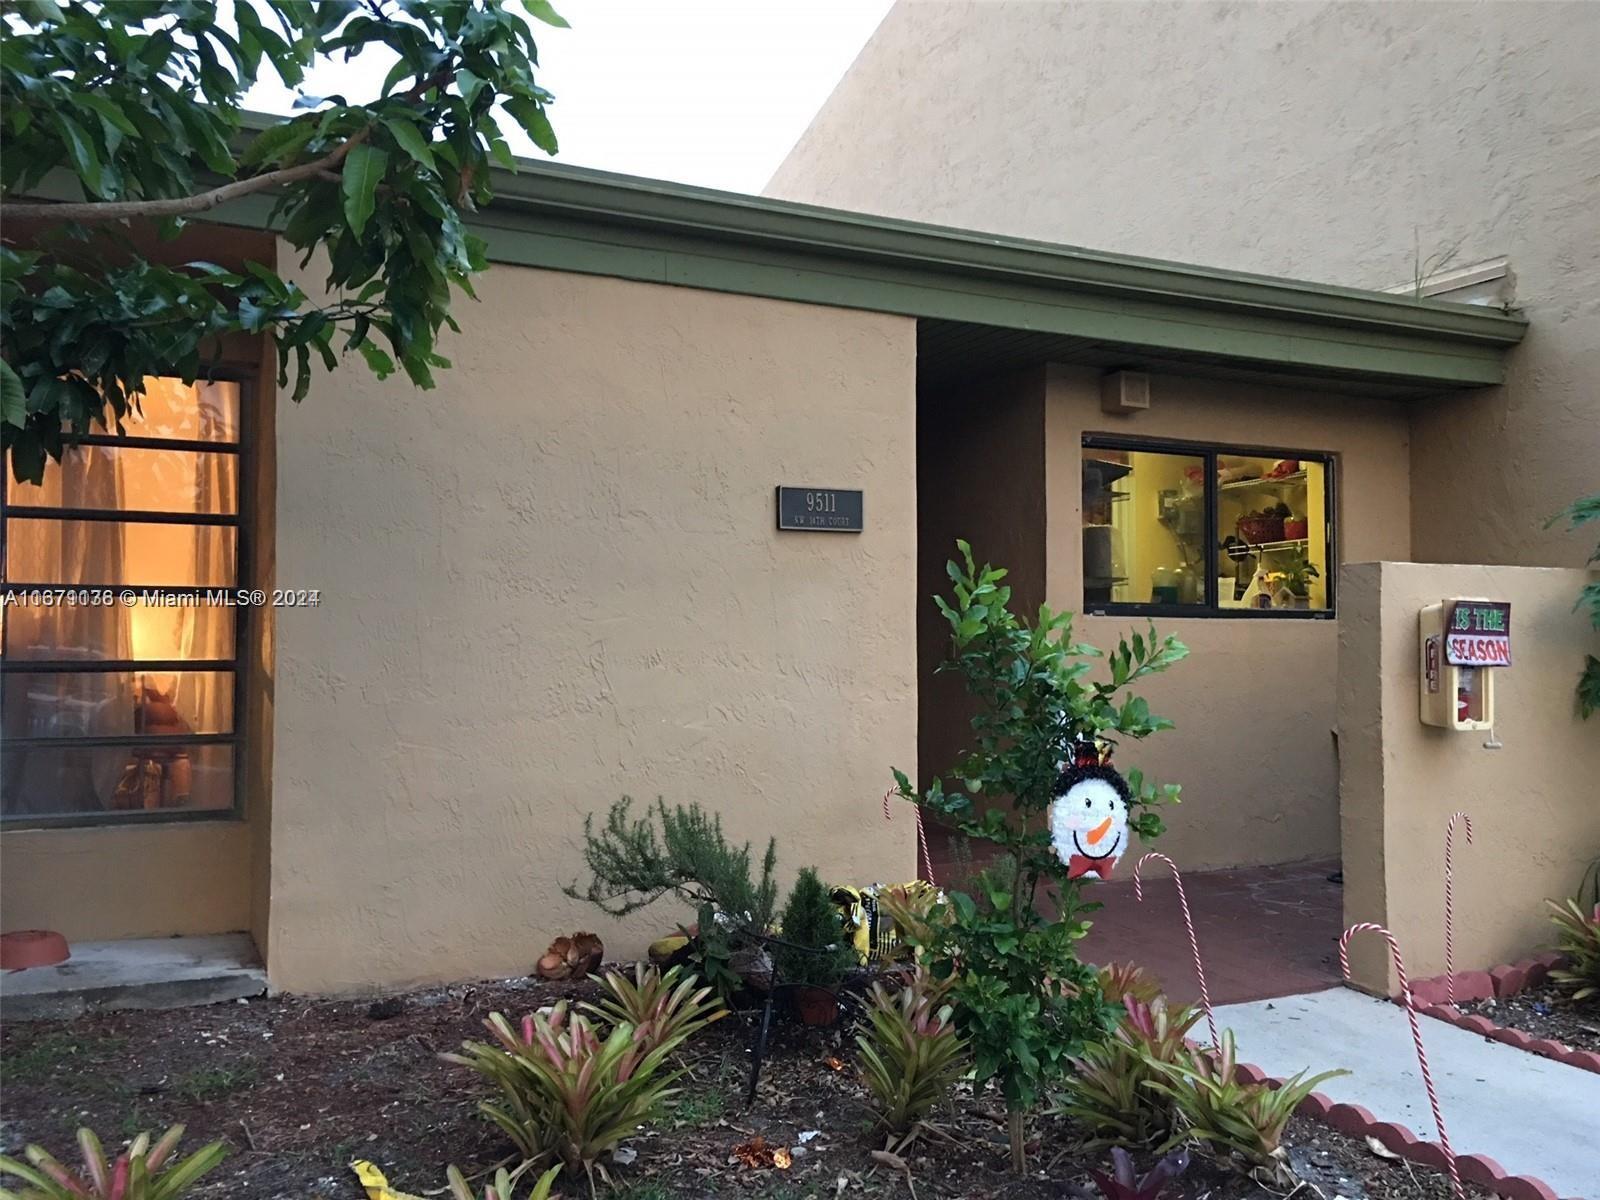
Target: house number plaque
(819,510)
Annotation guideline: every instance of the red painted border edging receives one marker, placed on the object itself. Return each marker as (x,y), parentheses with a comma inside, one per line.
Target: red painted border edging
(1500,982)
(1355,1121)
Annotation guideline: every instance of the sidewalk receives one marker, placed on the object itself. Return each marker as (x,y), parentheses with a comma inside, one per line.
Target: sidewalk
(1533,1116)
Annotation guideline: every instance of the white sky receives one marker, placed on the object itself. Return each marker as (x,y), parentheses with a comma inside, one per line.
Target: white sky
(713,92)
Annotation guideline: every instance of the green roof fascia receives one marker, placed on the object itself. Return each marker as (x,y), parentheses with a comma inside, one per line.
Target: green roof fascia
(594,222)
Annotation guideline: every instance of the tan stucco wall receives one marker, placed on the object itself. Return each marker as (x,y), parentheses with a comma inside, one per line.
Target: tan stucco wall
(1332,141)
(1255,703)
(1534,803)
(556,579)
(120,882)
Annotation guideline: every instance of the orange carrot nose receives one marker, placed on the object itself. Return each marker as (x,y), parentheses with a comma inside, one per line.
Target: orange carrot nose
(1099,831)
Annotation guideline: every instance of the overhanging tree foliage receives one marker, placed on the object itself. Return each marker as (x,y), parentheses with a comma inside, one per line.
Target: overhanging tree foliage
(137,106)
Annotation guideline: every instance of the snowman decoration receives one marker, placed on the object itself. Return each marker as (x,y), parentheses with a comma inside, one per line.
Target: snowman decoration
(1089,813)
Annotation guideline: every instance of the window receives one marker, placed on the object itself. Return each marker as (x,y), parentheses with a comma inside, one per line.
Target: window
(1206,530)
(119,655)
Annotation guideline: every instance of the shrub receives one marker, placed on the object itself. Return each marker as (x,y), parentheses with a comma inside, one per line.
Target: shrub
(503,1185)
(632,865)
(811,949)
(1023,999)
(1122,1184)
(1235,1115)
(1110,1090)
(568,1092)
(910,1052)
(1578,938)
(138,1173)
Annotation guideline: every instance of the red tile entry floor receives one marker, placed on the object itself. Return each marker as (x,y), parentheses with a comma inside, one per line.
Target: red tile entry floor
(1263,931)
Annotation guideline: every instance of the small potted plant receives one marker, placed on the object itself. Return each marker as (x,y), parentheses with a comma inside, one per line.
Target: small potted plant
(810,954)
(1298,572)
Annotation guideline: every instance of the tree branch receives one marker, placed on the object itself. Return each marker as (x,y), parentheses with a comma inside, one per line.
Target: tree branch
(181,206)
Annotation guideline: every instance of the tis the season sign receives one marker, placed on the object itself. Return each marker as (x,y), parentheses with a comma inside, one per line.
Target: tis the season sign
(1478,634)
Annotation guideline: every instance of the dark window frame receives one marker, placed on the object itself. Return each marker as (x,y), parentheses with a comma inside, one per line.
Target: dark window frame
(243,618)
(1209,452)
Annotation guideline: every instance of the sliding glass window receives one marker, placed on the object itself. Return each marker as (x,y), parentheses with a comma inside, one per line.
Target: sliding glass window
(119,654)
(1202,530)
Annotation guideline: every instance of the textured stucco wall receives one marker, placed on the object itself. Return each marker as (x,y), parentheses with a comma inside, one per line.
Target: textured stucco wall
(1331,141)
(1534,803)
(1255,703)
(555,580)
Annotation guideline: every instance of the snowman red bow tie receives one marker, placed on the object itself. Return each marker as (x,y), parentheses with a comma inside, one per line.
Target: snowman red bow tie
(1080,865)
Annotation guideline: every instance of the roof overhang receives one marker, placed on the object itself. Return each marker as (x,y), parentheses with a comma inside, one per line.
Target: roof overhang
(985,303)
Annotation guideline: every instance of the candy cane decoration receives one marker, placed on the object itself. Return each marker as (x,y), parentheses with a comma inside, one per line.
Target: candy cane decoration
(923,857)
(1416,1036)
(1188,924)
(1450,902)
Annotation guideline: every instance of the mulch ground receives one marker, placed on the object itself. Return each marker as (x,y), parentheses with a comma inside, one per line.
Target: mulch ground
(1544,1012)
(300,1087)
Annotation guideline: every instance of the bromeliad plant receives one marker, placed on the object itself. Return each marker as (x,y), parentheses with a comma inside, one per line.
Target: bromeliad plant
(1578,939)
(911,1054)
(504,1184)
(138,1173)
(1215,1104)
(1110,1087)
(662,1007)
(1022,997)
(568,1091)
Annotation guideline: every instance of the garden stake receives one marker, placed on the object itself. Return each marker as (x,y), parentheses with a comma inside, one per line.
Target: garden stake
(924,859)
(1188,924)
(759,1050)
(1450,904)
(1416,1036)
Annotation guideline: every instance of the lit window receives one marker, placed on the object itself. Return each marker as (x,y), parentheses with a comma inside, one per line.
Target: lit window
(1205,531)
(119,674)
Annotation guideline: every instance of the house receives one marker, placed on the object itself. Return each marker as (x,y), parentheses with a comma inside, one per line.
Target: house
(471,616)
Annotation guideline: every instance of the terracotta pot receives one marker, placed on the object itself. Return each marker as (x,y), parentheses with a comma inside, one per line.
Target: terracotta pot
(31,948)
(817,1006)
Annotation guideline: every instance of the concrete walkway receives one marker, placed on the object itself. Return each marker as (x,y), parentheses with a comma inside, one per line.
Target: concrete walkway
(1531,1115)
(137,973)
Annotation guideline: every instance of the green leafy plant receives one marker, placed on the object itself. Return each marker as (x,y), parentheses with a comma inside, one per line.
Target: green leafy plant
(1576,514)
(1298,571)
(678,850)
(568,1092)
(1109,1089)
(1022,996)
(810,948)
(504,1184)
(1123,1184)
(1235,1115)
(1578,939)
(138,1173)
(660,1006)
(911,1055)
(140,106)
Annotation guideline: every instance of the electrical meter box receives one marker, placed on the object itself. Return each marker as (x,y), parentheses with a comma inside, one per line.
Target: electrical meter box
(1463,645)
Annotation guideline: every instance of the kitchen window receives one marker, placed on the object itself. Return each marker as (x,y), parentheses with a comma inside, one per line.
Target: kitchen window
(120,657)
(1206,531)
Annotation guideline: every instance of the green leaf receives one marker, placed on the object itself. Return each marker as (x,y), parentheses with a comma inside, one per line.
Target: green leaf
(409,138)
(13,399)
(540,10)
(364,168)
(534,121)
(81,150)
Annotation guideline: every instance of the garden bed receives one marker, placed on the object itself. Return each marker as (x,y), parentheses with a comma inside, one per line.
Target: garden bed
(1517,1005)
(298,1088)
(1545,1013)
